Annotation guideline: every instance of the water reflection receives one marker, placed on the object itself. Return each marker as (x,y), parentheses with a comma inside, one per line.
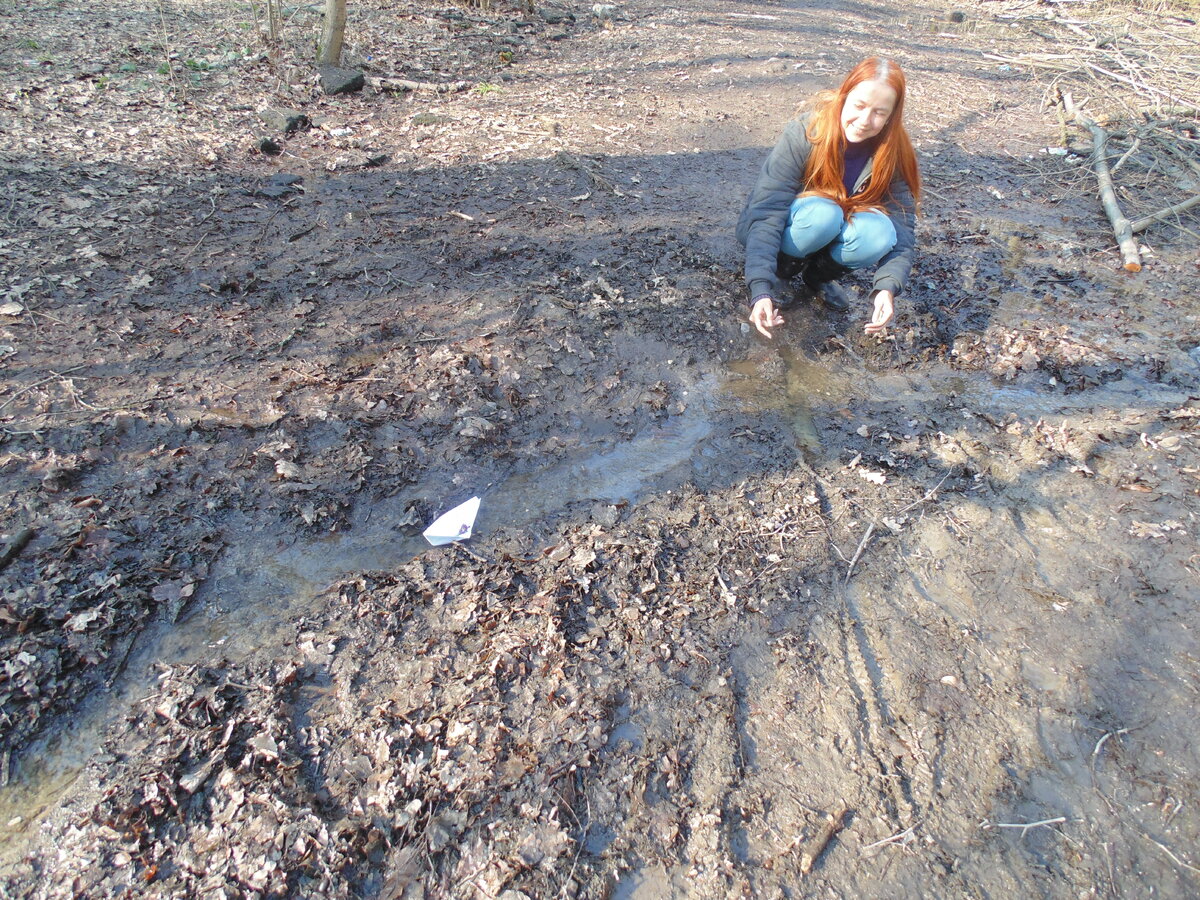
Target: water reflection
(805,387)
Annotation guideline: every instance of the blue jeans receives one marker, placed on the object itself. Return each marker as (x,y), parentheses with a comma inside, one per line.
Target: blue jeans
(816,222)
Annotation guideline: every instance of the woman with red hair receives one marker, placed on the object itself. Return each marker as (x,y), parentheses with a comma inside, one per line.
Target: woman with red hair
(838,192)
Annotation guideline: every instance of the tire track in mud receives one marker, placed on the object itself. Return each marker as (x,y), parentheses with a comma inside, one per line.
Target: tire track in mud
(875,719)
(865,676)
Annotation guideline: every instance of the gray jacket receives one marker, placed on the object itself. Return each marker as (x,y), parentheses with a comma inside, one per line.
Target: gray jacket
(760,227)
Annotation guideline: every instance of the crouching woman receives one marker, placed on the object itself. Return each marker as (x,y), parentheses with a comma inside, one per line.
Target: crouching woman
(838,192)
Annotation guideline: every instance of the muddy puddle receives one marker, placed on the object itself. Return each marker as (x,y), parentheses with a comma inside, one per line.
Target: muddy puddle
(262,583)
(808,389)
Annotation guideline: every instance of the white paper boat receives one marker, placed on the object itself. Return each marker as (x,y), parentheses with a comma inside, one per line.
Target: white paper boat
(454,525)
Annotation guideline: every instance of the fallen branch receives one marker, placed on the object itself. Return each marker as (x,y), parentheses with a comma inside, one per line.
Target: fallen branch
(1108,195)
(1162,214)
(401,85)
(834,822)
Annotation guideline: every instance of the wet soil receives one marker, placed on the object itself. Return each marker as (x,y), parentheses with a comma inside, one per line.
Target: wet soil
(939,585)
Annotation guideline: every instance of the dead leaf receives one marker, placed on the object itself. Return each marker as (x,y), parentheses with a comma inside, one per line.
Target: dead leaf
(285,468)
(80,621)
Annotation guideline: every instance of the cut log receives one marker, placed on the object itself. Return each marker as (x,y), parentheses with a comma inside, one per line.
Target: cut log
(398,85)
(1122,227)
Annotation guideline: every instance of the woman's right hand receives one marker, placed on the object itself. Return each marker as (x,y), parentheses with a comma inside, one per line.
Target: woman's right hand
(764,316)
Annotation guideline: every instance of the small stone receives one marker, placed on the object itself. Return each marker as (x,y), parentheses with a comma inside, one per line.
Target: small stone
(428,118)
(288,121)
(555,16)
(336,80)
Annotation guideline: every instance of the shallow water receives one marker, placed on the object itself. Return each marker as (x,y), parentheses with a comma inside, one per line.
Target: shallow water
(810,389)
(261,583)
(620,473)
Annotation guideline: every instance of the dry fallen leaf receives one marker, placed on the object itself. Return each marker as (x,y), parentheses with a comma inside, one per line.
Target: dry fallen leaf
(287,469)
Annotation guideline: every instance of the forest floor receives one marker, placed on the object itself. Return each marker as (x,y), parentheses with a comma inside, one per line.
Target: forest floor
(831,615)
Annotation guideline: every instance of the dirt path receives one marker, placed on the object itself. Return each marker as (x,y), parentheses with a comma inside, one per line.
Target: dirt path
(939,586)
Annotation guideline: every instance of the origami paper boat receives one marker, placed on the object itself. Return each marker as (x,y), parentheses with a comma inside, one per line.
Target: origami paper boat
(454,525)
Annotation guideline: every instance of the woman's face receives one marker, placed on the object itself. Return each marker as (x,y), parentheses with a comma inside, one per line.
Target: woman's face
(866,110)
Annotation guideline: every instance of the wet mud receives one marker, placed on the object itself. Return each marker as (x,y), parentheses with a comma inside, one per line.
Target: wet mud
(937,585)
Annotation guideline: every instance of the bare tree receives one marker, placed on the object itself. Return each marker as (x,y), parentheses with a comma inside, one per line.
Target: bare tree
(330,53)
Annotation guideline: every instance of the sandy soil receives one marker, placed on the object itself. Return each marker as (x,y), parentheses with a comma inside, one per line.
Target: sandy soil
(910,616)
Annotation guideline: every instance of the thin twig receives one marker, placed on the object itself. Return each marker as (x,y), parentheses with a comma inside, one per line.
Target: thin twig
(1100,746)
(902,837)
(571,161)
(196,246)
(857,553)
(1024,826)
(1095,758)
(30,387)
(1143,88)
(929,494)
(1137,142)
(1167,850)
(471,553)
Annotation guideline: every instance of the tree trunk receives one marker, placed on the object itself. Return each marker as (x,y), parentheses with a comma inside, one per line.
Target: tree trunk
(330,53)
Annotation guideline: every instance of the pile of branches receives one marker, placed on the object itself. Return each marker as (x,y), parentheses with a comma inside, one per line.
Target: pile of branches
(1129,76)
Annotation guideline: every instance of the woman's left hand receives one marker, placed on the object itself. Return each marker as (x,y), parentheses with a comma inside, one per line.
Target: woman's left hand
(883,313)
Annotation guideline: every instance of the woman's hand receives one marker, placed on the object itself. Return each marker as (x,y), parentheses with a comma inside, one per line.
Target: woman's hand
(764,316)
(883,313)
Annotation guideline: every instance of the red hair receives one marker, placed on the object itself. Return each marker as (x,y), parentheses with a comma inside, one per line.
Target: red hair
(893,153)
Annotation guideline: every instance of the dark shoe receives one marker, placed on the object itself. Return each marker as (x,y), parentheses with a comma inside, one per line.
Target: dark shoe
(820,275)
(834,296)
(788,267)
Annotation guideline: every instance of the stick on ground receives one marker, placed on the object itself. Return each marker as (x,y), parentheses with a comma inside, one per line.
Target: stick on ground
(14,547)
(834,822)
(1122,227)
(1163,214)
